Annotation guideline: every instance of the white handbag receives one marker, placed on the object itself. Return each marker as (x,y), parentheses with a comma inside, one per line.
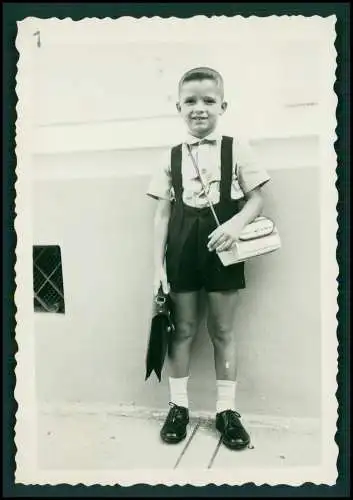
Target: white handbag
(259,237)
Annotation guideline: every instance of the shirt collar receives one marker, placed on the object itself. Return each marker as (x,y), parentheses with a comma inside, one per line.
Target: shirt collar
(213,136)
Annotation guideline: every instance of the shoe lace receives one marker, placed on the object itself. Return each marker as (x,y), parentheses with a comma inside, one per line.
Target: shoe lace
(174,413)
(233,418)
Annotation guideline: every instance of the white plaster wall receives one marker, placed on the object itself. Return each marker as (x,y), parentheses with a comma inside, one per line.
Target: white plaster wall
(103,223)
(104,118)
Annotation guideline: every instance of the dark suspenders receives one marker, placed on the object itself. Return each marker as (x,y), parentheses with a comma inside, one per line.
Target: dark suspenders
(175,165)
(226,169)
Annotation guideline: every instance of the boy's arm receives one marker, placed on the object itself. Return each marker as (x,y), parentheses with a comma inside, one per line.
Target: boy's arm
(252,208)
(161,221)
(251,178)
(160,188)
(225,235)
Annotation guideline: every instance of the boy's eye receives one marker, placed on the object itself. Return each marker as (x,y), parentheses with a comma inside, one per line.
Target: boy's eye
(207,100)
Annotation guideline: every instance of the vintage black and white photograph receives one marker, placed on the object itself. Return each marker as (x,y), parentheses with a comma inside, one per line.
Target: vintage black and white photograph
(176,251)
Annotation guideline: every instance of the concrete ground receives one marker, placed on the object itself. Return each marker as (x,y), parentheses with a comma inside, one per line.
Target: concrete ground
(124,440)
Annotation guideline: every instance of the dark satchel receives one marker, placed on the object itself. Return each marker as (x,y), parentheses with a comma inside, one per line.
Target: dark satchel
(162,328)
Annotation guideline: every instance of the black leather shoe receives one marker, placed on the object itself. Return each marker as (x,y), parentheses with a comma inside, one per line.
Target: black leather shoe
(174,428)
(234,436)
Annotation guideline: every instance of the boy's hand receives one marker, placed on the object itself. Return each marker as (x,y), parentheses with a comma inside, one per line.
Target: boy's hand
(224,237)
(160,278)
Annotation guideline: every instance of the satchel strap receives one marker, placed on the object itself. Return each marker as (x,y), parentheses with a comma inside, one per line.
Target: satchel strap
(210,204)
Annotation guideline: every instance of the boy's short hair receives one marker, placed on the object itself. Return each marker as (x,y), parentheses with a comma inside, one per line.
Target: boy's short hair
(202,73)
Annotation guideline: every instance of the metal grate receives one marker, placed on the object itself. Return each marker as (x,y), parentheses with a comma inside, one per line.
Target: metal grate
(48,279)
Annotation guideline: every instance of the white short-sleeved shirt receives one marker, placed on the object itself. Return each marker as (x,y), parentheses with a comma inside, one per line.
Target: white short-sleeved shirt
(246,174)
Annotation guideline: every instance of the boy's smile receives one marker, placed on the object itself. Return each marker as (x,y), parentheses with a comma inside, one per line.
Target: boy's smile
(200,105)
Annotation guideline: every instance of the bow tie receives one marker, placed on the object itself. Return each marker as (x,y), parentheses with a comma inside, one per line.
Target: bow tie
(202,141)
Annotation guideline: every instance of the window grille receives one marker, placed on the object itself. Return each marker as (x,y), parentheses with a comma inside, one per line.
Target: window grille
(48,279)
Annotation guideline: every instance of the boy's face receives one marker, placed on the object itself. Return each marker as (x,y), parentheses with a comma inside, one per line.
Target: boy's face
(201,104)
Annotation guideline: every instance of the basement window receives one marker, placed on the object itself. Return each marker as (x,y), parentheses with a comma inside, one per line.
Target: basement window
(48,284)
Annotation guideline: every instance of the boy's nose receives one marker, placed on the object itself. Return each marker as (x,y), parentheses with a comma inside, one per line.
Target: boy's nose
(199,108)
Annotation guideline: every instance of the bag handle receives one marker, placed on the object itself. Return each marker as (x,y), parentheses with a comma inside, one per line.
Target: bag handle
(210,204)
(256,237)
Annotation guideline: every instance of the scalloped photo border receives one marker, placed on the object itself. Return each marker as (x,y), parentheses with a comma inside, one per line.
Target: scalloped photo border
(126,30)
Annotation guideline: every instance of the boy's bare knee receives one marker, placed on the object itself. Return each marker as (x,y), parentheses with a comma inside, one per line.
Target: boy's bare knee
(220,333)
(185,330)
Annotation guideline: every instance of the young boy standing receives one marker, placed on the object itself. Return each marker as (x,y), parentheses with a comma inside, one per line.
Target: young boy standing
(186,242)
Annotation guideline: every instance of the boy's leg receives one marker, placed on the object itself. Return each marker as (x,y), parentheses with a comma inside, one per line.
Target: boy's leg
(186,319)
(221,315)
(220,323)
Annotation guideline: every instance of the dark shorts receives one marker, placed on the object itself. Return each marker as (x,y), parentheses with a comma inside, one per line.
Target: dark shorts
(190,265)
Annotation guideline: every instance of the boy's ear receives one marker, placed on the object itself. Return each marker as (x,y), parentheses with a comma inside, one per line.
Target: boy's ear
(224,106)
(178,106)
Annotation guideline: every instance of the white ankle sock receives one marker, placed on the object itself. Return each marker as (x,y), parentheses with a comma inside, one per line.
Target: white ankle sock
(226,395)
(178,391)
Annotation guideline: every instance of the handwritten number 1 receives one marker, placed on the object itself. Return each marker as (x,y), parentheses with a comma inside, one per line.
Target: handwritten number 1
(37,34)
